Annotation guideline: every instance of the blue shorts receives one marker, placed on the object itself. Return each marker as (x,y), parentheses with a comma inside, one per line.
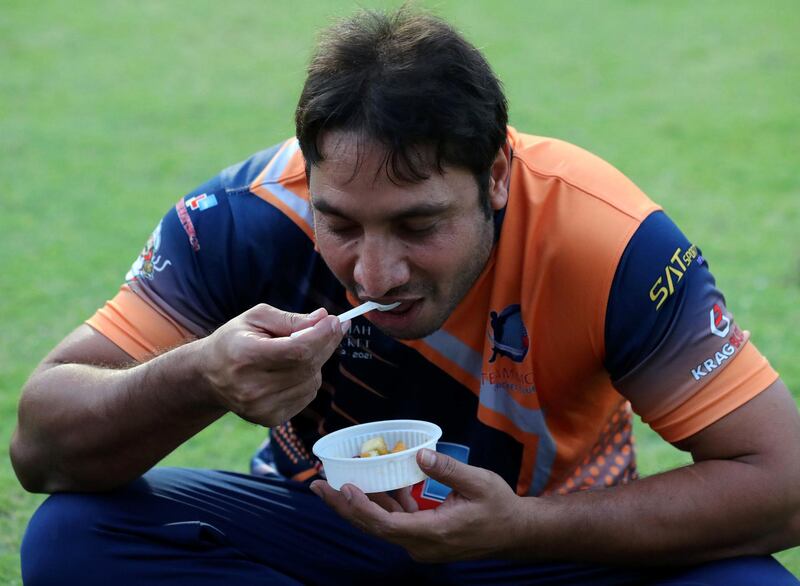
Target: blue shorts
(202,527)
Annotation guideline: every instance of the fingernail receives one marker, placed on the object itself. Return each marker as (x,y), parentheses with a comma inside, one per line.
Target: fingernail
(346,327)
(335,326)
(315,489)
(347,492)
(428,458)
(317,313)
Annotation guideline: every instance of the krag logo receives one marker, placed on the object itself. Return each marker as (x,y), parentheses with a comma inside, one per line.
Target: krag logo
(720,323)
(509,337)
(722,355)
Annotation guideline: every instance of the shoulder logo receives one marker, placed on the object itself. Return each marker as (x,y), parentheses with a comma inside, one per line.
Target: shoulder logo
(509,337)
(720,323)
(149,261)
(201,202)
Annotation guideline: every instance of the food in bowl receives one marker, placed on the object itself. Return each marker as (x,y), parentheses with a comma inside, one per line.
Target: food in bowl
(376,446)
(339,450)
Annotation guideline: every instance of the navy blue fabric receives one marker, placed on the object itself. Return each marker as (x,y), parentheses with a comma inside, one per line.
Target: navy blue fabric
(200,527)
(246,252)
(635,323)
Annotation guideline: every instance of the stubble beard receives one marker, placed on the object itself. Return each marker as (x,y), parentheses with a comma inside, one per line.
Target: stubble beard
(465,279)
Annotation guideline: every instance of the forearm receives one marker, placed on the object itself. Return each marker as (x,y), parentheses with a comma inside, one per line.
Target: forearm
(710,510)
(85,427)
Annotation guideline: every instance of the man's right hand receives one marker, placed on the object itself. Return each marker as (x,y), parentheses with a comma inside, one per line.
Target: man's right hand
(252,368)
(92,419)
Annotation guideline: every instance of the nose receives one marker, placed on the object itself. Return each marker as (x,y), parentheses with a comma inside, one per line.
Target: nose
(381,266)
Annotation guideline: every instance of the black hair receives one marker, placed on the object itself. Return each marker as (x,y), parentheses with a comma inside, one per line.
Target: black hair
(413,83)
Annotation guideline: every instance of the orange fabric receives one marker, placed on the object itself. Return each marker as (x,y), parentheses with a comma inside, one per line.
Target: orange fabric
(305,475)
(746,376)
(136,326)
(572,214)
(293,178)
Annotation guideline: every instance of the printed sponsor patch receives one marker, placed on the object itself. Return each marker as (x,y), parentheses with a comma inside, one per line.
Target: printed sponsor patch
(672,273)
(201,202)
(186,222)
(722,326)
(149,261)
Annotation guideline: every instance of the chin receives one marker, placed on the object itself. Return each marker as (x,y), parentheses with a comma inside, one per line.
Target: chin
(411,331)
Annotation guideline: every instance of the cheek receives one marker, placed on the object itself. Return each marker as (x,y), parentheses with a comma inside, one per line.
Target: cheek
(337,257)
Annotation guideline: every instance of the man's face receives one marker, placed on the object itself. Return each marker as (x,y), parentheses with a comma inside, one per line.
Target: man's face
(423,244)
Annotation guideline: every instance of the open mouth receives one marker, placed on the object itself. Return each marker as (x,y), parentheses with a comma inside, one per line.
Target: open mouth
(403,308)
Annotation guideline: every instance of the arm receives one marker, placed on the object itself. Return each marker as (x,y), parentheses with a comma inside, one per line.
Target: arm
(740,497)
(90,419)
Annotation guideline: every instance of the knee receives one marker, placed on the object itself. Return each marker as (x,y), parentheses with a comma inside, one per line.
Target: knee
(59,540)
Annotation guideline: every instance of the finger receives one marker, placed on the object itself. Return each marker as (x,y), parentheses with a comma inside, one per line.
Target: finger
(468,480)
(278,407)
(338,501)
(403,496)
(386,501)
(322,339)
(354,506)
(313,348)
(399,527)
(277,322)
(365,513)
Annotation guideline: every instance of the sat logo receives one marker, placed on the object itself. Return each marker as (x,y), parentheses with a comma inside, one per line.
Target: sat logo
(509,337)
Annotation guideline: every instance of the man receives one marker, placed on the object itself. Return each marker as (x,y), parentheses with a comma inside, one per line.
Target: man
(539,291)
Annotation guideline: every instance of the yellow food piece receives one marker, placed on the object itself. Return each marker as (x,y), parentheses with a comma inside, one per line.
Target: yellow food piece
(376,446)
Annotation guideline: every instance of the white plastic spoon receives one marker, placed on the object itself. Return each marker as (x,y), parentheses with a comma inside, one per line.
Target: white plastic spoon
(355,312)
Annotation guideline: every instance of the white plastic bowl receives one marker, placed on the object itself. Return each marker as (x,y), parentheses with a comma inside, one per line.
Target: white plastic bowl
(338,451)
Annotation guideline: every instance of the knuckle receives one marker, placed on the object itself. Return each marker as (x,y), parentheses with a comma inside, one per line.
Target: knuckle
(448,467)
(299,354)
(257,309)
(308,391)
(289,320)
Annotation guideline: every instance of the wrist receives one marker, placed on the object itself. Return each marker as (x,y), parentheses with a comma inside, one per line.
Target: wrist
(530,529)
(189,368)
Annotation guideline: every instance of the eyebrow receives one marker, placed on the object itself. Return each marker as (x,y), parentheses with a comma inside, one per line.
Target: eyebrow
(416,211)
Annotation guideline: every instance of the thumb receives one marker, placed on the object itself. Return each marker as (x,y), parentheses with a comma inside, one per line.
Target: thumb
(278,323)
(468,480)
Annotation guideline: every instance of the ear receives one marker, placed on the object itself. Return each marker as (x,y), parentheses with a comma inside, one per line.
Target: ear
(498,178)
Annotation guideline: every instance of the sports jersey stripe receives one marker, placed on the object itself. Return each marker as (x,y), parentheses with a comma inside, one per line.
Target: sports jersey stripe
(268,185)
(529,443)
(349,375)
(456,351)
(523,418)
(530,420)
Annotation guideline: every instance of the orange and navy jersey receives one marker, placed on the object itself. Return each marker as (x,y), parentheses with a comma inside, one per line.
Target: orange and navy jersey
(592,302)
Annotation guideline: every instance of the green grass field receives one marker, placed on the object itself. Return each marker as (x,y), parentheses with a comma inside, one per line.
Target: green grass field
(109,111)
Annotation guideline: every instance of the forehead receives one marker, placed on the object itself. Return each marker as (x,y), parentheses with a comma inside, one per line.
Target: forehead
(357,169)
(350,156)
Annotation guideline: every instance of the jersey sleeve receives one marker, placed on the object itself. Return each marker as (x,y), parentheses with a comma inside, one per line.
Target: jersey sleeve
(208,259)
(672,346)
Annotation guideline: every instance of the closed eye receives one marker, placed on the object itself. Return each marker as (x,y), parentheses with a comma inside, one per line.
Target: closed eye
(418,229)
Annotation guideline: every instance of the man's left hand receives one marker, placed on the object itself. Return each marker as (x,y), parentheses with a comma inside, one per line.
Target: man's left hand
(481,517)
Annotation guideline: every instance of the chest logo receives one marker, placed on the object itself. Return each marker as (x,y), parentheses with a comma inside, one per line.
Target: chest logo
(509,337)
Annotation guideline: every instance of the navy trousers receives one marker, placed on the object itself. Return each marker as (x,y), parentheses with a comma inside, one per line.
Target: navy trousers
(203,527)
